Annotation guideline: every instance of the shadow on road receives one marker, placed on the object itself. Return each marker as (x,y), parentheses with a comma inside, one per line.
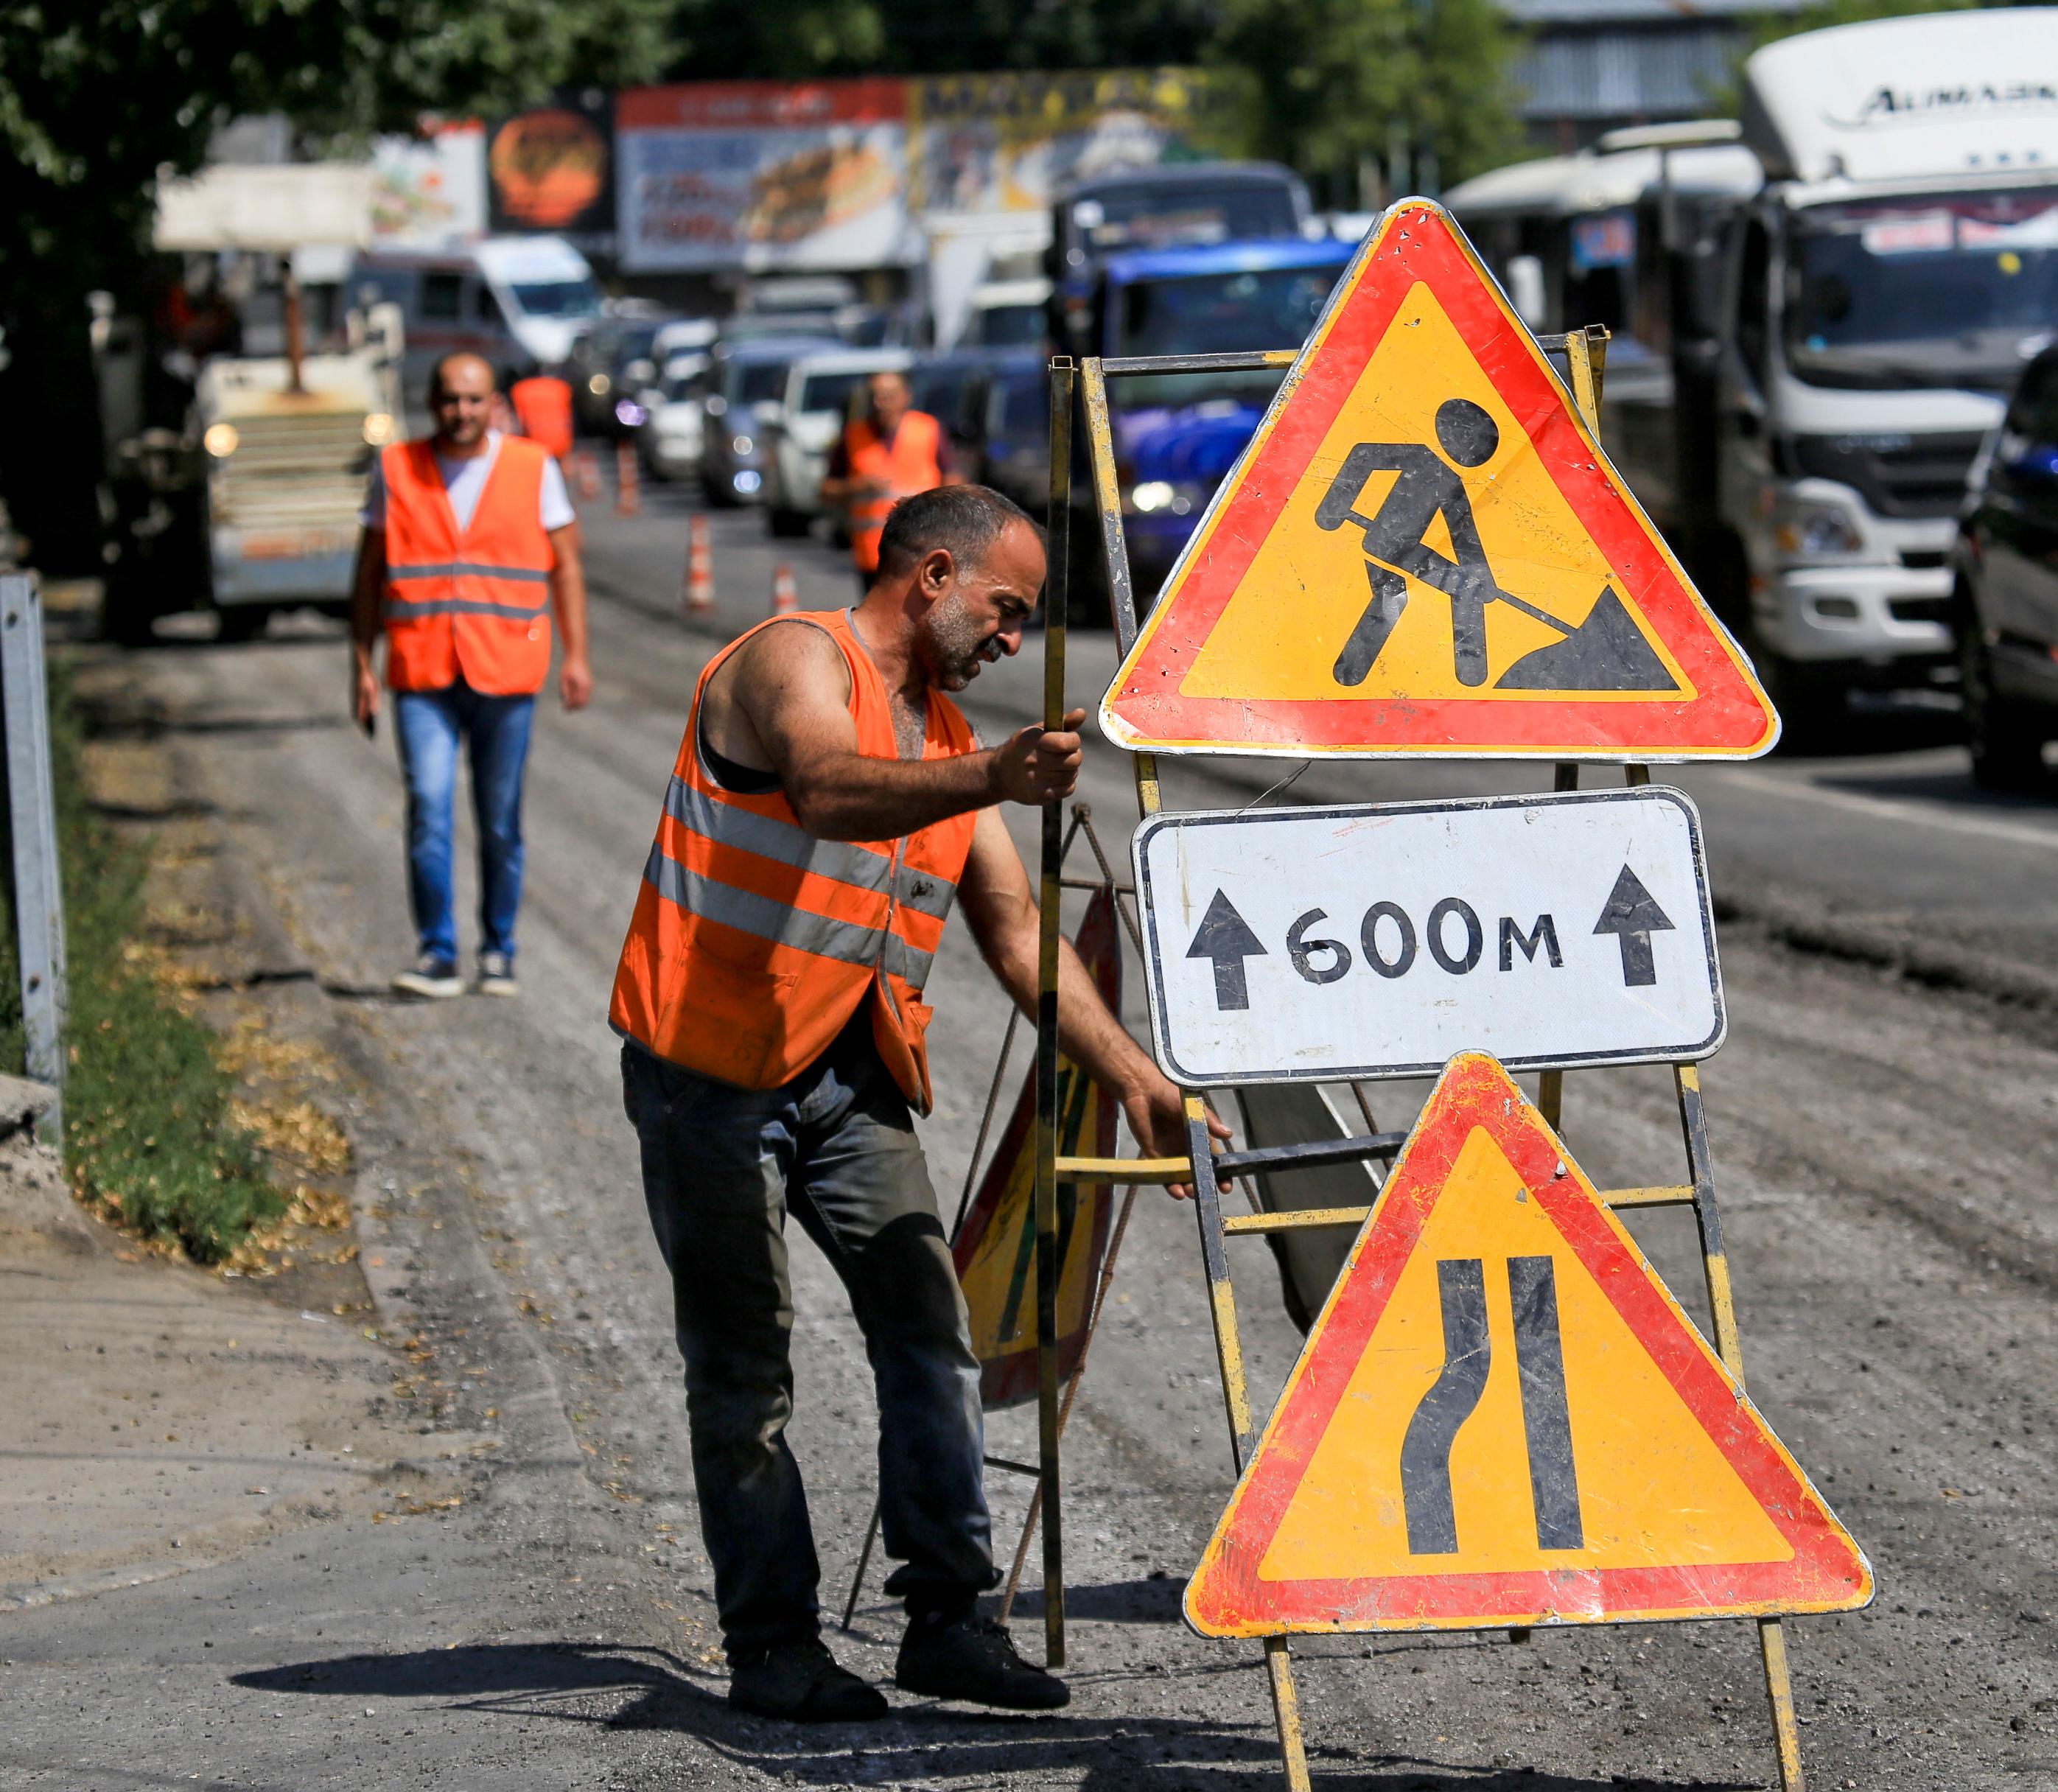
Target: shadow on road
(931,1741)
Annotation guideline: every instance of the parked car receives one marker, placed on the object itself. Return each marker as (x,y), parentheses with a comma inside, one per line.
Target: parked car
(801,433)
(674,422)
(2005,600)
(1011,406)
(613,360)
(745,383)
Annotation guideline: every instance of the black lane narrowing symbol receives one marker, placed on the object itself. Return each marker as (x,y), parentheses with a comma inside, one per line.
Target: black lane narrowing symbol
(1425,1450)
(1605,652)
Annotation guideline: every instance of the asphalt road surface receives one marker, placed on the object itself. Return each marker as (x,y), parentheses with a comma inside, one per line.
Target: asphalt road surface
(1883,1115)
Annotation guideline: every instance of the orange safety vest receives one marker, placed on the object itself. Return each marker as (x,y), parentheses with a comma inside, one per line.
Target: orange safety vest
(913,463)
(545,406)
(475,604)
(753,942)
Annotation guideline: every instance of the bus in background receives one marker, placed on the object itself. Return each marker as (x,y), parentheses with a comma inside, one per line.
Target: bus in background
(1632,239)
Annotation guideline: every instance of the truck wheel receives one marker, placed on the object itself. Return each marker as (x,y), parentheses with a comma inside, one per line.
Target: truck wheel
(786,524)
(2007,745)
(245,621)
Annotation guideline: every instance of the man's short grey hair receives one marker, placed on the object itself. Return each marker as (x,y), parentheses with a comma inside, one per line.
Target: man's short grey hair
(965,519)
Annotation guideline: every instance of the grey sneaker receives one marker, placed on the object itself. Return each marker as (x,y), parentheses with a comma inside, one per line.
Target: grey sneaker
(496,975)
(430,980)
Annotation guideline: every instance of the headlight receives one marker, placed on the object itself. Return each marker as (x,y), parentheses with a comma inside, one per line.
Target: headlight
(1180,497)
(629,413)
(378,429)
(1815,528)
(741,445)
(600,385)
(220,440)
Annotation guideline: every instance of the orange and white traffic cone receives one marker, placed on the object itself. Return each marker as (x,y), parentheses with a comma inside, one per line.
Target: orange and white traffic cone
(696,595)
(785,595)
(586,472)
(628,486)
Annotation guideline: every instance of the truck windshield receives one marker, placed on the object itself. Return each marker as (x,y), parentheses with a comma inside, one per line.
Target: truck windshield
(1153,216)
(557,298)
(1215,313)
(1922,292)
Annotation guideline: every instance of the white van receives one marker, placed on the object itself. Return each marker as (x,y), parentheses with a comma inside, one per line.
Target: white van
(519,301)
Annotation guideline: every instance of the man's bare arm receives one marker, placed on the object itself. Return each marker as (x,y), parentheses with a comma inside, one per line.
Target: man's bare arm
(568,598)
(791,688)
(1004,920)
(368,585)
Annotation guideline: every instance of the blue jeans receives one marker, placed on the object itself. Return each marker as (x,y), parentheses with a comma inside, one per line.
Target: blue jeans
(721,1167)
(429,725)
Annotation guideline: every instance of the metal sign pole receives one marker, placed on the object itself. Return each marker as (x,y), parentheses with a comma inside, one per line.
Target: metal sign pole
(38,885)
(1062,382)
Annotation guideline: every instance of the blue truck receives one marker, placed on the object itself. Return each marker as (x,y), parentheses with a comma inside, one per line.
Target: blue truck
(1177,434)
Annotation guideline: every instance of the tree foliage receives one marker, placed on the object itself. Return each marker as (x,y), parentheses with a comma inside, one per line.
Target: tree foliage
(1337,82)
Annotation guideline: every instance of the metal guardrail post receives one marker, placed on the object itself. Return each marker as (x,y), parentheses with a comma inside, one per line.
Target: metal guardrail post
(32,808)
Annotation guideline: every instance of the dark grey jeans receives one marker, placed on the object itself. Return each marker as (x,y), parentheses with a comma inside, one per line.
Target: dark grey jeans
(721,1167)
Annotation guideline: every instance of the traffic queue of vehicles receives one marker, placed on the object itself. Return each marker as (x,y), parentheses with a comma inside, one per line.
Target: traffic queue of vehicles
(1821,317)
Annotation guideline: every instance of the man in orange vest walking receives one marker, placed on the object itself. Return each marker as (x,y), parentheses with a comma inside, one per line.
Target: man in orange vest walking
(469,544)
(890,453)
(828,806)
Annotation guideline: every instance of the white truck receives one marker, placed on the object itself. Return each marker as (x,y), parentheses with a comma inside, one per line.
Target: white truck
(1872,303)
(249,501)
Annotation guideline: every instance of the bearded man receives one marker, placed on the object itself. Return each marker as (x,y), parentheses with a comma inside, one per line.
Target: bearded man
(828,804)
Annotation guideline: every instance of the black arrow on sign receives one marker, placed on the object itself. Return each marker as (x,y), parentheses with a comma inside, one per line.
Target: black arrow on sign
(1226,937)
(1632,914)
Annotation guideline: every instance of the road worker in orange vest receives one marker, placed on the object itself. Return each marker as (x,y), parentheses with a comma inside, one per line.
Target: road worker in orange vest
(829,805)
(543,406)
(468,545)
(889,453)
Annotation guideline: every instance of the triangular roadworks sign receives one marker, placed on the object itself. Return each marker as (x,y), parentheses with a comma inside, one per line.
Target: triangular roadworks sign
(1424,551)
(1503,1417)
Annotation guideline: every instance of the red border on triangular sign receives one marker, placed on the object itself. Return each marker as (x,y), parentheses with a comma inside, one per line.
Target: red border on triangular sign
(1226,1597)
(1416,240)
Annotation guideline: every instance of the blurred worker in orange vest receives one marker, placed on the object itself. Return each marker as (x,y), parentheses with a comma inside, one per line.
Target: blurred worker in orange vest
(890,453)
(469,544)
(828,806)
(543,407)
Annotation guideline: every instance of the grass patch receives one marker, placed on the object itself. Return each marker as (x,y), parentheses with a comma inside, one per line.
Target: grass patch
(150,1136)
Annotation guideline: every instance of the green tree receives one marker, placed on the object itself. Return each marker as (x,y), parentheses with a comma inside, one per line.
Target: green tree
(95,101)
(1337,86)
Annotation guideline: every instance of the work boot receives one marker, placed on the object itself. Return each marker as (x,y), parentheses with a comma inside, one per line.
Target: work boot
(496,975)
(430,978)
(801,1683)
(948,1656)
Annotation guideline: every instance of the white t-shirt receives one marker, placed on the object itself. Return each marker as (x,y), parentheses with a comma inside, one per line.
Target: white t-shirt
(464,482)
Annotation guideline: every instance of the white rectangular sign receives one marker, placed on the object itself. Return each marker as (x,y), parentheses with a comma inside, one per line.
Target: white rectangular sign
(1555,931)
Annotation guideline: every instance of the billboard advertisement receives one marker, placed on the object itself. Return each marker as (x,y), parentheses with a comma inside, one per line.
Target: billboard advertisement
(430,189)
(553,170)
(987,143)
(765,176)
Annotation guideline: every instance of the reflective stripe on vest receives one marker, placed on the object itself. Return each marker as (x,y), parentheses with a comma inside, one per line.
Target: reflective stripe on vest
(754,942)
(472,604)
(912,463)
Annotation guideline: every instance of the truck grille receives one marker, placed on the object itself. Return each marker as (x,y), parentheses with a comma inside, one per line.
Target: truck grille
(293,473)
(1897,475)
